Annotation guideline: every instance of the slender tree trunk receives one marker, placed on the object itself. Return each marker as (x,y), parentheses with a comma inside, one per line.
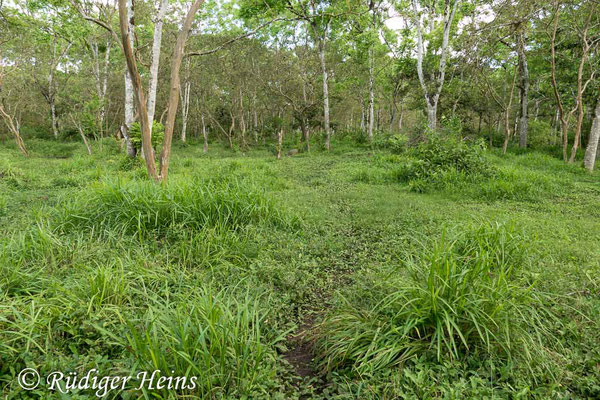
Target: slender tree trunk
(326,122)
(105,87)
(14,129)
(51,89)
(54,119)
(432,99)
(185,100)
(507,132)
(129,95)
(279,143)
(185,109)
(82,134)
(371,95)
(156,43)
(362,117)
(175,87)
(523,90)
(204,135)
(591,151)
(580,90)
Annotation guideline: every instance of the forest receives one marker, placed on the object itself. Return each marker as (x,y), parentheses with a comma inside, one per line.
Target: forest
(299,199)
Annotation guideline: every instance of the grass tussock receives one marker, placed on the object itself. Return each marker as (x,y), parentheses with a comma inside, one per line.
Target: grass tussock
(148,210)
(464,295)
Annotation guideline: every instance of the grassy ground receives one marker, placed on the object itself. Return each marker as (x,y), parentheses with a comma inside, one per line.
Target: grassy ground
(317,276)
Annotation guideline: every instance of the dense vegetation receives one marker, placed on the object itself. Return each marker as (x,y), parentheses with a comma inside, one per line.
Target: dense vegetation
(293,278)
(300,199)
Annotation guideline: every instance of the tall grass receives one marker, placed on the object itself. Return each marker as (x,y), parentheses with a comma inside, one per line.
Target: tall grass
(146,210)
(464,295)
(224,338)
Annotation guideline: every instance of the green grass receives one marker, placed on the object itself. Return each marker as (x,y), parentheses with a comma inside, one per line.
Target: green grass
(412,283)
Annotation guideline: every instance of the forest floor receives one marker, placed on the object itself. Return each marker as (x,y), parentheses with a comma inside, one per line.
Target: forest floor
(99,269)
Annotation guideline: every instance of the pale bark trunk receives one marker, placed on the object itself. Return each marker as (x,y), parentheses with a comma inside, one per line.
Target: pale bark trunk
(592,148)
(52,85)
(401,116)
(185,109)
(580,89)
(156,43)
(185,100)
(507,115)
(205,135)
(371,95)
(15,130)
(325,94)
(129,95)
(126,27)
(432,115)
(432,99)
(105,86)
(54,119)
(82,134)
(279,143)
(523,90)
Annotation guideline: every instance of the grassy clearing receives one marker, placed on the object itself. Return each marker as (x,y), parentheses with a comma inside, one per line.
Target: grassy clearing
(474,275)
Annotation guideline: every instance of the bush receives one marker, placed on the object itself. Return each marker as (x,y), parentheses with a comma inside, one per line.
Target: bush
(444,153)
(465,296)
(135,134)
(398,144)
(540,134)
(443,162)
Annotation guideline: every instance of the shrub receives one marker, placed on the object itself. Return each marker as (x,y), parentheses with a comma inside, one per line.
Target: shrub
(398,144)
(464,296)
(540,134)
(135,134)
(443,153)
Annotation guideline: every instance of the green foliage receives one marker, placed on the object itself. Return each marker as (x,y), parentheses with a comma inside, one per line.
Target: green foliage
(464,296)
(144,209)
(540,134)
(135,133)
(398,144)
(213,276)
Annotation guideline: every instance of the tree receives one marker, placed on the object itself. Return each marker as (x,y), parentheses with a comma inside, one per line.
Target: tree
(175,87)
(427,14)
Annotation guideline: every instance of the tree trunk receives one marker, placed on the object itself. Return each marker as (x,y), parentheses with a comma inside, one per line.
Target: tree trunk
(175,87)
(371,95)
(82,134)
(54,119)
(431,116)
(279,143)
(185,109)
(205,135)
(523,90)
(15,131)
(592,148)
(325,94)
(129,95)
(507,132)
(432,99)
(156,43)
(401,116)
(126,27)
(185,100)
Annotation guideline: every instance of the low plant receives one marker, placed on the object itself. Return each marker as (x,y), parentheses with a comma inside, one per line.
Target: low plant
(462,296)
